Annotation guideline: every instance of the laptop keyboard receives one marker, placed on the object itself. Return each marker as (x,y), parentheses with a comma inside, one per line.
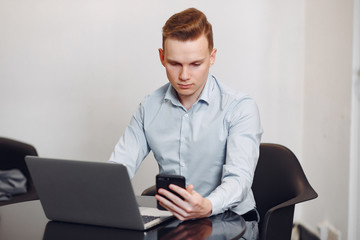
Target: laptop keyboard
(147,219)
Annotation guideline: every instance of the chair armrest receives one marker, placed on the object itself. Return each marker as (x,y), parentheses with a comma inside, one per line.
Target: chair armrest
(151,191)
(277,222)
(307,195)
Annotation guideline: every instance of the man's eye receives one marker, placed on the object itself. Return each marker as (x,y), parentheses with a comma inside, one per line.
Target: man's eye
(196,64)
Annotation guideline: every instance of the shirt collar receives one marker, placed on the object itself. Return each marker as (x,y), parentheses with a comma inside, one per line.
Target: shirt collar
(208,89)
(171,95)
(204,96)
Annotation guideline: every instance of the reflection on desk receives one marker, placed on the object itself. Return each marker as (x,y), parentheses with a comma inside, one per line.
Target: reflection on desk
(224,226)
(27,221)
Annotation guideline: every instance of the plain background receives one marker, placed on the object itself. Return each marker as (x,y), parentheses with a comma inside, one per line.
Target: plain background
(72,72)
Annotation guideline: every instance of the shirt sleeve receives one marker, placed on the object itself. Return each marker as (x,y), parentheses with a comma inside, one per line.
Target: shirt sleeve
(132,148)
(242,152)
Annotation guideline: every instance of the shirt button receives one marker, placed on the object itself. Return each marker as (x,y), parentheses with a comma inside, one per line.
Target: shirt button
(186,115)
(182,164)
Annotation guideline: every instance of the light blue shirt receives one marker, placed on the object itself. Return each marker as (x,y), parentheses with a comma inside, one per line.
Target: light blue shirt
(214,144)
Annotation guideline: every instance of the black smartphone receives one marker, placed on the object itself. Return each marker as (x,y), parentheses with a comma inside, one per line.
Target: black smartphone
(164,180)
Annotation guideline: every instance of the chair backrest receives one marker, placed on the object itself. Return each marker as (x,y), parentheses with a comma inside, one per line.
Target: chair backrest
(279,183)
(12,156)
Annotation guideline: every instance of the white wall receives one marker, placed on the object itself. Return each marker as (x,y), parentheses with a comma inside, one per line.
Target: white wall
(354,197)
(327,107)
(72,73)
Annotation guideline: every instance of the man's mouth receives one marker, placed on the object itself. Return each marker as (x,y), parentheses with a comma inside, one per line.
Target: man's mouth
(185,86)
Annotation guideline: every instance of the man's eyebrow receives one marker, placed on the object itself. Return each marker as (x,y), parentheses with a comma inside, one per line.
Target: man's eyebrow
(199,60)
(195,61)
(171,61)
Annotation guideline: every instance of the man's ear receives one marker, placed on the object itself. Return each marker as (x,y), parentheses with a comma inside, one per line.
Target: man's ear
(162,57)
(213,56)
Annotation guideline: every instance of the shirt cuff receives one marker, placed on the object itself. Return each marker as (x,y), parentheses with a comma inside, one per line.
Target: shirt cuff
(216,205)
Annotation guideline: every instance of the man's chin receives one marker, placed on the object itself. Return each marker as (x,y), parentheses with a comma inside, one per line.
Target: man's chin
(185,92)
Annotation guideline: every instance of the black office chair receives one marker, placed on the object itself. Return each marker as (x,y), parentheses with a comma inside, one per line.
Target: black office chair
(12,156)
(279,183)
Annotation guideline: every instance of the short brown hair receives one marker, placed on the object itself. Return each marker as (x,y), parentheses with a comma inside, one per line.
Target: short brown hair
(188,25)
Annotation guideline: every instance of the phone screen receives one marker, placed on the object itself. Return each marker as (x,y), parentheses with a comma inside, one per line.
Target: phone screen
(164,180)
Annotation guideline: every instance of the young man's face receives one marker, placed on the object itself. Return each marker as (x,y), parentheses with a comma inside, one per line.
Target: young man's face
(187,65)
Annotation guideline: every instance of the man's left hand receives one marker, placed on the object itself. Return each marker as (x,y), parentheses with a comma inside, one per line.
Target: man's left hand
(193,206)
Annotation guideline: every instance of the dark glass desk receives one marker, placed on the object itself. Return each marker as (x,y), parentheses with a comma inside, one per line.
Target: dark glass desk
(27,221)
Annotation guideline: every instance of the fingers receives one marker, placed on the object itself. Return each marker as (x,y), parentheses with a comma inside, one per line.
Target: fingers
(193,205)
(179,190)
(171,206)
(186,194)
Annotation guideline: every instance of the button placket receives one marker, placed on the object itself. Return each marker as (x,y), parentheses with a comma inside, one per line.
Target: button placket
(184,136)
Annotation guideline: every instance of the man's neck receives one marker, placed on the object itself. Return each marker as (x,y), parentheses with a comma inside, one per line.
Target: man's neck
(187,101)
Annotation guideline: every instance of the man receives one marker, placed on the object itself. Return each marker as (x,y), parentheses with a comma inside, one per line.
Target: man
(196,127)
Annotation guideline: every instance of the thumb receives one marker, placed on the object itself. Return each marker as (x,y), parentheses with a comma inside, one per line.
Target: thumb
(190,188)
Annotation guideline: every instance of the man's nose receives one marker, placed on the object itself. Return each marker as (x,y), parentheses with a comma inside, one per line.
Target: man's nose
(184,74)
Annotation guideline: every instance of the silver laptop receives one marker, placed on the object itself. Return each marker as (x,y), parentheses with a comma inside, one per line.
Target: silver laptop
(96,193)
